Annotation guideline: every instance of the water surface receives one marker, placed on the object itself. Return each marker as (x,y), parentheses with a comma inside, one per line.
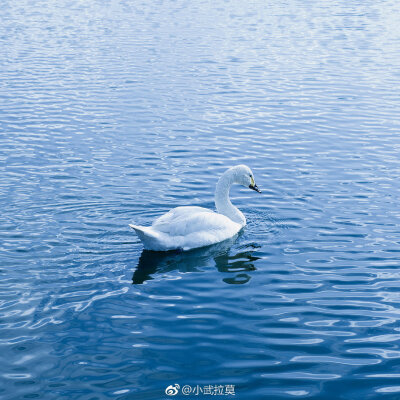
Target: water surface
(114,112)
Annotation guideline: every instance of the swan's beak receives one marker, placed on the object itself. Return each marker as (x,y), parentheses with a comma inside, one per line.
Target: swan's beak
(255,187)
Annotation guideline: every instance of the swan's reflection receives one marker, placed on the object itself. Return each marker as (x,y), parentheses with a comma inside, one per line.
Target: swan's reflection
(219,255)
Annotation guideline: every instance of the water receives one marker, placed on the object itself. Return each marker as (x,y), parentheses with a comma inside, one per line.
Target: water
(114,112)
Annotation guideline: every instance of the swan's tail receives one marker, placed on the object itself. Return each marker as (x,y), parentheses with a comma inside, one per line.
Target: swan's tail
(150,239)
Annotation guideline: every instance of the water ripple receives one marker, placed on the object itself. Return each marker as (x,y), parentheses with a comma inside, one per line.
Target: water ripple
(114,112)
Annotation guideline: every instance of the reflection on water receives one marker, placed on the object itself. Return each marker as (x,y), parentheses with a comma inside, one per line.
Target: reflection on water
(219,255)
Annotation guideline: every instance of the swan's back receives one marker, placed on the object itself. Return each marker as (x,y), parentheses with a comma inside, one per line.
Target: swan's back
(182,221)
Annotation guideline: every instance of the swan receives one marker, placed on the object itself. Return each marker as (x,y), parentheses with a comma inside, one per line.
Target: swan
(191,227)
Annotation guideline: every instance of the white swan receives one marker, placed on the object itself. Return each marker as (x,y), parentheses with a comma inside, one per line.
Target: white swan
(188,228)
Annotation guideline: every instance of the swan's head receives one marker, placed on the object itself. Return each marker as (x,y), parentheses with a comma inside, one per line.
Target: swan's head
(243,176)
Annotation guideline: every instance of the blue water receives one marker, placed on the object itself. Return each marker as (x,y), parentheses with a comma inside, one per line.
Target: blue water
(113,112)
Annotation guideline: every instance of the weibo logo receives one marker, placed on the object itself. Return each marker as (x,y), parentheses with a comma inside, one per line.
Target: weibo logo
(172,390)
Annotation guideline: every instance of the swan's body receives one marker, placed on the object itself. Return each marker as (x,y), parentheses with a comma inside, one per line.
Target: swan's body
(192,227)
(186,228)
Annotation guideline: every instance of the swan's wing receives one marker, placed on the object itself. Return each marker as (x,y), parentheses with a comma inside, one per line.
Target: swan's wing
(176,214)
(183,221)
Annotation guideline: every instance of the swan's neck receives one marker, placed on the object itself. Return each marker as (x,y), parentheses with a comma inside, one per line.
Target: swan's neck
(222,201)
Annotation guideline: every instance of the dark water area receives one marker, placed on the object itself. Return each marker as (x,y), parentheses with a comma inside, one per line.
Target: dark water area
(113,112)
